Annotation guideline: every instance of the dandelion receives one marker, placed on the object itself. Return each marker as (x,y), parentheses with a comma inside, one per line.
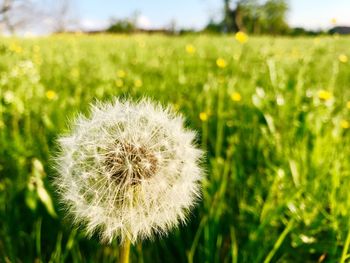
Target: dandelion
(190,49)
(138,83)
(241,37)
(343,58)
(203,116)
(50,95)
(121,74)
(128,171)
(324,95)
(16,48)
(235,96)
(221,63)
(345,124)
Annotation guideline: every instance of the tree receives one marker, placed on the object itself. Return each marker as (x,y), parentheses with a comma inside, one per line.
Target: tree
(256,18)
(14,14)
(275,12)
(61,14)
(19,15)
(122,26)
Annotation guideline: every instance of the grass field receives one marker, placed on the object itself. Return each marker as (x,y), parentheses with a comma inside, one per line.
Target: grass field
(273,115)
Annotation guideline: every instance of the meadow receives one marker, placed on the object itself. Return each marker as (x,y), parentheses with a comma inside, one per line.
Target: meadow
(272,114)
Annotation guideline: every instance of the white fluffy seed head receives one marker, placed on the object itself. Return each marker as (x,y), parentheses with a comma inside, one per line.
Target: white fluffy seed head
(129,170)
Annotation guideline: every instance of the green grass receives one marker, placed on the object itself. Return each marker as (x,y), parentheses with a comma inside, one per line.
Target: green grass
(278,166)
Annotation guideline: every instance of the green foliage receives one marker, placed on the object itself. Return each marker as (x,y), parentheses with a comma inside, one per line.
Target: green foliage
(252,16)
(122,26)
(273,115)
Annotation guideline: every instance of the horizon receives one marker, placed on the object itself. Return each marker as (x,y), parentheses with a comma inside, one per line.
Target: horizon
(182,14)
(156,14)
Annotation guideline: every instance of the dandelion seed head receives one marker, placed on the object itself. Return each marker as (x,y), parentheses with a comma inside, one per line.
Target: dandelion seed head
(128,171)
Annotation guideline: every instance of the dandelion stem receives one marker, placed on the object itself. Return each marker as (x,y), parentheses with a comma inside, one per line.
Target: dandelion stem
(125,252)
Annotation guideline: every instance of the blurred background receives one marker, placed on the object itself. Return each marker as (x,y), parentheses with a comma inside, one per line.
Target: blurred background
(294,17)
(264,83)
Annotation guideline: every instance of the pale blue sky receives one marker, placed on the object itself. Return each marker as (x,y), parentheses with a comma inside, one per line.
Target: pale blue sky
(94,14)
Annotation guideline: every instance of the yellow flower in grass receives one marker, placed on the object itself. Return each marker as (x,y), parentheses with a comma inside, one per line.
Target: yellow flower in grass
(221,63)
(348,104)
(138,83)
(345,124)
(343,58)
(51,95)
(235,96)
(16,48)
(119,83)
(241,37)
(203,116)
(121,74)
(190,49)
(324,95)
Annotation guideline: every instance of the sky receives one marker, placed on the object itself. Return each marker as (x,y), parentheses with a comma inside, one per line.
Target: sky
(94,14)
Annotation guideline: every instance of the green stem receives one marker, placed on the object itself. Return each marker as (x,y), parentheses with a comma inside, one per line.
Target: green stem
(346,248)
(124,252)
(279,241)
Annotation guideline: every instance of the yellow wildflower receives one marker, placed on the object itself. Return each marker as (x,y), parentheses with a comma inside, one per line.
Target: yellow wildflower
(190,49)
(121,74)
(16,48)
(119,83)
(345,124)
(343,58)
(348,104)
(324,95)
(51,95)
(235,96)
(203,116)
(241,37)
(221,63)
(138,83)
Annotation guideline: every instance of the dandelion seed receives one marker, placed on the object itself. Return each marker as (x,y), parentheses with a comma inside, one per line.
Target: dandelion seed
(190,49)
(324,95)
(345,124)
(235,96)
(129,171)
(343,58)
(221,63)
(121,74)
(51,95)
(203,116)
(241,37)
